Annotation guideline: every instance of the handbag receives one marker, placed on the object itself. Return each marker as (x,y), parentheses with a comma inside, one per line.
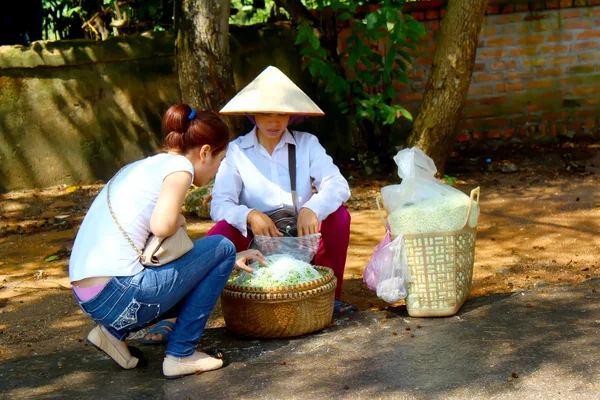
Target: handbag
(286,219)
(158,251)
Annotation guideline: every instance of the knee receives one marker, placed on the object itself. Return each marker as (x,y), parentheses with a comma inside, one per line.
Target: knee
(225,246)
(344,215)
(341,217)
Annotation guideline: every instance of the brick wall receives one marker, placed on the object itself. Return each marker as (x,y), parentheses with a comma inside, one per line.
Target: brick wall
(536,75)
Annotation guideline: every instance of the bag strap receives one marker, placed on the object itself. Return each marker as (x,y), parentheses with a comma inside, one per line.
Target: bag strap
(292,168)
(115,217)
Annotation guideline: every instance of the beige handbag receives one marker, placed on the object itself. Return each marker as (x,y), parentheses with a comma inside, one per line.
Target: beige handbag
(158,251)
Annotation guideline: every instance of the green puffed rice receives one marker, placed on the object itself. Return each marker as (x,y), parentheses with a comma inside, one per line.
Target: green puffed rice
(282,270)
(435,214)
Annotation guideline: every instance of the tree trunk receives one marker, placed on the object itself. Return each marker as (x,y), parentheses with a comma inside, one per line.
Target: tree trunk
(203,60)
(449,79)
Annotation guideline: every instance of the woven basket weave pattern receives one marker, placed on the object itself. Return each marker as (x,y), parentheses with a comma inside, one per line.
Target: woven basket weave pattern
(268,313)
(326,273)
(441,266)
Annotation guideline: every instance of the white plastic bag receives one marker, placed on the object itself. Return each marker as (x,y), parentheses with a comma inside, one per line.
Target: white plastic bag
(422,204)
(301,248)
(393,271)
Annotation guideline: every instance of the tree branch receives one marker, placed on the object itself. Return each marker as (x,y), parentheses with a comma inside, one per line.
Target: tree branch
(298,12)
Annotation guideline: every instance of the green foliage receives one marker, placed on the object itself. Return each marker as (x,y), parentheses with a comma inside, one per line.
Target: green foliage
(72,19)
(62,18)
(245,13)
(449,180)
(374,57)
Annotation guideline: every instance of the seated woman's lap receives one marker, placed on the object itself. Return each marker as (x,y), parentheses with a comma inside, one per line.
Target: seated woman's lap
(333,247)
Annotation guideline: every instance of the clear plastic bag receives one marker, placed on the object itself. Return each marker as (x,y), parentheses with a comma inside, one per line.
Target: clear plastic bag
(301,248)
(421,203)
(393,272)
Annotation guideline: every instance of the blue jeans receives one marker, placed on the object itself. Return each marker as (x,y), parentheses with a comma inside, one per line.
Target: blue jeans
(187,288)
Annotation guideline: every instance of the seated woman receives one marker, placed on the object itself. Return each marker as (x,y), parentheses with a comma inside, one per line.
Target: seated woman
(110,283)
(254,178)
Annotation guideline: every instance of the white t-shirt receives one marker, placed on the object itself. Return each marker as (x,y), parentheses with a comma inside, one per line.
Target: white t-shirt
(100,248)
(251,178)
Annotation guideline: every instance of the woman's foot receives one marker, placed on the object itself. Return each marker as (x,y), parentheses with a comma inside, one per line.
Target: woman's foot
(117,349)
(341,307)
(160,333)
(197,363)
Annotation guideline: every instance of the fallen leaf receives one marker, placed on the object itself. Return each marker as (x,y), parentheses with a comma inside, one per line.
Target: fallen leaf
(63,204)
(49,214)
(71,189)
(52,258)
(40,275)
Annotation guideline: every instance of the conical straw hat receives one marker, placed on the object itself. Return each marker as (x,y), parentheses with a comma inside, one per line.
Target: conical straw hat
(271,92)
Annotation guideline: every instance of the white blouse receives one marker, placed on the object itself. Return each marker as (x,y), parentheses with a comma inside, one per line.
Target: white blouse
(251,178)
(100,248)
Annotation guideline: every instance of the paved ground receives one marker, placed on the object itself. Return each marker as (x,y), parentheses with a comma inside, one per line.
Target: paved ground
(547,337)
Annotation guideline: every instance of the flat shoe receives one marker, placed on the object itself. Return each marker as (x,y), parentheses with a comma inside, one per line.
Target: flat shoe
(99,340)
(174,368)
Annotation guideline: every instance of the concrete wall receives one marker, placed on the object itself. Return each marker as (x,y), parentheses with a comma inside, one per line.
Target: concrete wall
(75,110)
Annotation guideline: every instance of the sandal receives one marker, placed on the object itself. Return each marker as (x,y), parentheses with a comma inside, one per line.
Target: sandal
(341,307)
(163,328)
(100,341)
(174,368)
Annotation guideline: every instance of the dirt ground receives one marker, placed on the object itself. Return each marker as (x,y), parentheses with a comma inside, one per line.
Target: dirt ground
(539,224)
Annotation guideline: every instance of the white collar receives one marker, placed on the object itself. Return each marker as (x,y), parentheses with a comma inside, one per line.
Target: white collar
(250,139)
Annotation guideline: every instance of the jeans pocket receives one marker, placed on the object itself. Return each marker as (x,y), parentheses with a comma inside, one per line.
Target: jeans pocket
(135,314)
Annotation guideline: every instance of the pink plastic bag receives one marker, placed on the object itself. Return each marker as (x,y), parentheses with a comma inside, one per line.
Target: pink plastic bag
(371,275)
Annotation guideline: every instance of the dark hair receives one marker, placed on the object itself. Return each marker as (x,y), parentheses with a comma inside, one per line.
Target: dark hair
(183,133)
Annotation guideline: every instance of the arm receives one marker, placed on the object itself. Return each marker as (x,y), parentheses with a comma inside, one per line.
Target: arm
(225,204)
(332,187)
(166,217)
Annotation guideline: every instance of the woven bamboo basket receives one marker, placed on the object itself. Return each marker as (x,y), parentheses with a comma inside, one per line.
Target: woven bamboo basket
(280,312)
(441,268)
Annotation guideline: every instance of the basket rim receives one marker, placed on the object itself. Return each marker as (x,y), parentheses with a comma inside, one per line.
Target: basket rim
(287,296)
(279,289)
(467,229)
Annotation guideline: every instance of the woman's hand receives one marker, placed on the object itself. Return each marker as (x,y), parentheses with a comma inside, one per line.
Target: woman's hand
(248,255)
(261,224)
(308,223)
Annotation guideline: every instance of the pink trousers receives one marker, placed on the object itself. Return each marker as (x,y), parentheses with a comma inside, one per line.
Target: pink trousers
(333,247)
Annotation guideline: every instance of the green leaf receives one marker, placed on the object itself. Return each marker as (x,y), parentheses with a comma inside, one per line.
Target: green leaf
(372,20)
(352,60)
(52,258)
(388,114)
(449,180)
(390,92)
(314,41)
(389,63)
(406,113)
(405,55)
(344,16)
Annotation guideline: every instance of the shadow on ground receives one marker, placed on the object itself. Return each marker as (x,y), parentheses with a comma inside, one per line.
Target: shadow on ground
(548,338)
